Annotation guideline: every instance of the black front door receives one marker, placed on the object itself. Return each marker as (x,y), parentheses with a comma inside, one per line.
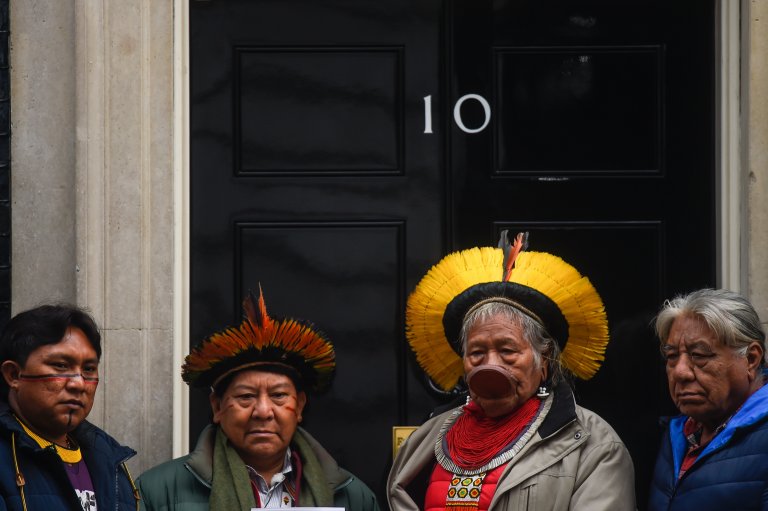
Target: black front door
(338,149)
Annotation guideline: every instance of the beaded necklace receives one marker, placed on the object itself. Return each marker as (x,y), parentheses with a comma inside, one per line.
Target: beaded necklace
(495,459)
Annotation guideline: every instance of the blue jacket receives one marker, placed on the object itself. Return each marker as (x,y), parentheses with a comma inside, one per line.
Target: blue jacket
(47,487)
(731,473)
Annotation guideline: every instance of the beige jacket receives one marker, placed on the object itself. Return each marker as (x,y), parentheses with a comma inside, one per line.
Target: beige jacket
(575,461)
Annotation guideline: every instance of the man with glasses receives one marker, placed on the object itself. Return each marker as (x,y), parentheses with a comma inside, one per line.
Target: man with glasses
(51,458)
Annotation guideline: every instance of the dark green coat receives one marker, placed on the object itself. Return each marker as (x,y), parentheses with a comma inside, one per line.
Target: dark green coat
(184,484)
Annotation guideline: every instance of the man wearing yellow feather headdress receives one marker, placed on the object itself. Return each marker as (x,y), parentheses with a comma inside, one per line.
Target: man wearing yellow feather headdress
(255,455)
(511,324)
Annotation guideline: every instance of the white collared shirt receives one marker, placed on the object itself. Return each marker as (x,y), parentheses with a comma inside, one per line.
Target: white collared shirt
(275,495)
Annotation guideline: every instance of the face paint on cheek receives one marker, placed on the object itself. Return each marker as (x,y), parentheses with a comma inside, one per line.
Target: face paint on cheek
(56,380)
(292,409)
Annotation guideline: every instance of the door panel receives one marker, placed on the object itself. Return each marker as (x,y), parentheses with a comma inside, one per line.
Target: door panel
(300,110)
(545,94)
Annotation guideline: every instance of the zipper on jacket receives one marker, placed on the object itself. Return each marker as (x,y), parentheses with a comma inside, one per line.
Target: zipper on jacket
(344,484)
(198,477)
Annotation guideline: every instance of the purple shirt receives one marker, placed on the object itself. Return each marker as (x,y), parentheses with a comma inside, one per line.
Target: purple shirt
(81,481)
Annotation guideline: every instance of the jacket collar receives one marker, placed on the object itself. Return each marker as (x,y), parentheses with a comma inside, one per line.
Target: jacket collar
(200,460)
(563,410)
(7,420)
(753,411)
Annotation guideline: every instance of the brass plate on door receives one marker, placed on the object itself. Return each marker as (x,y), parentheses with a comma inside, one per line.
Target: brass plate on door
(399,435)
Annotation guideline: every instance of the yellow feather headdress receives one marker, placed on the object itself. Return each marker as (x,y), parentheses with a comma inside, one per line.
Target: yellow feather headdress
(287,346)
(541,285)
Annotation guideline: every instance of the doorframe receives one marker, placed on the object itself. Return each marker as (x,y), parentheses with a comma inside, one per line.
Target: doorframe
(729,155)
(181,223)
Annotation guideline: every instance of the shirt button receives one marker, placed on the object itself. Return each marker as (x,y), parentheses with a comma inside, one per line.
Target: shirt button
(577,435)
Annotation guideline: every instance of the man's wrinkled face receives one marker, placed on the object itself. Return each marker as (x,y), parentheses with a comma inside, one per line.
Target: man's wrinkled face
(258,413)
(53,391)
(499,341)
(707,379)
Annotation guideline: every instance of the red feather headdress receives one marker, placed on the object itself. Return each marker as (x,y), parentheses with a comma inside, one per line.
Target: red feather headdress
(288,346)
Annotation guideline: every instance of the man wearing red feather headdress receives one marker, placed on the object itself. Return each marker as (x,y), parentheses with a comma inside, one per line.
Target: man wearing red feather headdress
(255,455)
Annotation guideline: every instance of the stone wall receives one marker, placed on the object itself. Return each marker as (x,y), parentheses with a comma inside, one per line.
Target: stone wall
(43,152)
(755,147)
(92,99)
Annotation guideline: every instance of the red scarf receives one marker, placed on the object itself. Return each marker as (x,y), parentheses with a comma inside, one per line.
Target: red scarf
(475,439)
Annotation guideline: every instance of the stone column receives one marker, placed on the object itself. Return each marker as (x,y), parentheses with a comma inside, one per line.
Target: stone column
(755,143)
(125,204)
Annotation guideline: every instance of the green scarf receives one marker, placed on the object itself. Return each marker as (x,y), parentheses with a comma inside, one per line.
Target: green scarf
(315,490)
(231,486)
